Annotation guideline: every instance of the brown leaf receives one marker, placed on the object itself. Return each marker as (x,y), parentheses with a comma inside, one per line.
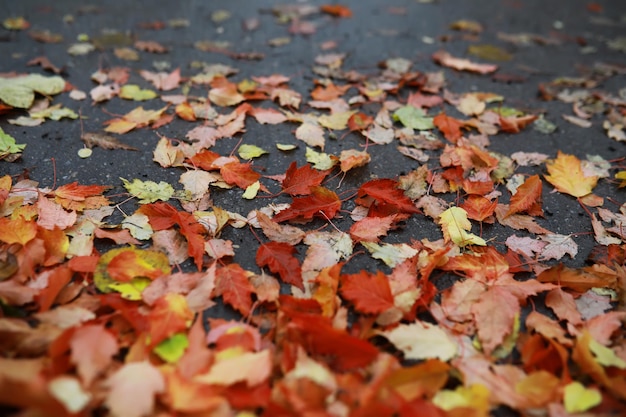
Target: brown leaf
(104,141)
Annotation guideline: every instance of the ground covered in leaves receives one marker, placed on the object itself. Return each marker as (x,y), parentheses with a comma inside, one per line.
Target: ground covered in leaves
(311,209)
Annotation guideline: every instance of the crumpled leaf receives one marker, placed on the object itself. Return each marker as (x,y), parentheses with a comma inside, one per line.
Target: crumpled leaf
(20,91)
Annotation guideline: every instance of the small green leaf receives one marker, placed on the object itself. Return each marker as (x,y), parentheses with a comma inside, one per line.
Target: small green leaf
(172,349)
(149,191)
(8,145)
(414,118)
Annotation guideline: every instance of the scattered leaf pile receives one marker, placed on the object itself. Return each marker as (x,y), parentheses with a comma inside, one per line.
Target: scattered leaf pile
(101,316)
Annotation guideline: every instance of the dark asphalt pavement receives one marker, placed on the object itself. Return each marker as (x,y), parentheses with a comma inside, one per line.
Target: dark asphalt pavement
(567,39)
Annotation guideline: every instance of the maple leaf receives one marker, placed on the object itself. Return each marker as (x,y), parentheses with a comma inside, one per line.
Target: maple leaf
(479,208)
(566,174)
(235,288)
(241,175)
(359,122)
(224,93)
(387,191)
(370,229)
(527,197)
(132,389)
(370,293)
(278,257)
(321,203)
(162,80)
(449,126)
(299,181)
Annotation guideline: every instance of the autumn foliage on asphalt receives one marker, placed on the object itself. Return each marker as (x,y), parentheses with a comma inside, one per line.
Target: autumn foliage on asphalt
(99,315)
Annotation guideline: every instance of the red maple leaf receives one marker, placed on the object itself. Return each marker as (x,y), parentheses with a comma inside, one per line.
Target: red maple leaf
(278,257)
(322,203)
(370,293)
(298,181)
(386,191)
(449,126)
(239,174)
(233,285)
(479,208)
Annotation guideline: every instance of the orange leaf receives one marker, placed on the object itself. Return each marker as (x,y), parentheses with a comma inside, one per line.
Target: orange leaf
(336,10)
(479,208)
(185,112)
(370,293)
(527,197)
(18,230)
(567,176)
(235,288)
(170,315)
(239,174)
(449,126)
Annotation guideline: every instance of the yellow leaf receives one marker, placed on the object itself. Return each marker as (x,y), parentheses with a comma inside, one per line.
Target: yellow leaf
(566,175)
(455,224)
(149,191)
(173,348)
(578,399)
(621,176)
(250,151)
(252,191)
(475,396)
(131,290)
(606,356)
(320,160)
(134,92)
